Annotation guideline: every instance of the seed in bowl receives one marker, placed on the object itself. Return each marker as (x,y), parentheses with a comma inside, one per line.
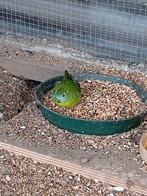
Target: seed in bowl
(102,100)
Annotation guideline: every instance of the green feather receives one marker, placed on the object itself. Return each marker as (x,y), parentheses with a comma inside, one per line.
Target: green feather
(66,92)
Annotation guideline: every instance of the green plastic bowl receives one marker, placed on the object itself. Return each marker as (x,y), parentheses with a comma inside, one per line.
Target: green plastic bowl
(85,126)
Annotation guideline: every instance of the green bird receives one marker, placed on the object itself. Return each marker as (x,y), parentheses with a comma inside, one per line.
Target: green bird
(66,92)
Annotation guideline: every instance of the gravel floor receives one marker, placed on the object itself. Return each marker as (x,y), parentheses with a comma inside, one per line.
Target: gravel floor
(39,132)
(16,178)
(15,94)
(21,176)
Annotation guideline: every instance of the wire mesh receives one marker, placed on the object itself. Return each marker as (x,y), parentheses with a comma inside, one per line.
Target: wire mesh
(103,28)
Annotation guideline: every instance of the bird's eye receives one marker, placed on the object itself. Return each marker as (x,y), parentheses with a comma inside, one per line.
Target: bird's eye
(63,94)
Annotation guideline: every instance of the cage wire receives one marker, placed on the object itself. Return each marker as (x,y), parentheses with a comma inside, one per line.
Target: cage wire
(102,28)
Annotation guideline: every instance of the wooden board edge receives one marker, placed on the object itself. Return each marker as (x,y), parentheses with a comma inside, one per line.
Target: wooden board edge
(30,71)
(72,167)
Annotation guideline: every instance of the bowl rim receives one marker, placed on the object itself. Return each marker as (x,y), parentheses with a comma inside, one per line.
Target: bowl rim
(143,113)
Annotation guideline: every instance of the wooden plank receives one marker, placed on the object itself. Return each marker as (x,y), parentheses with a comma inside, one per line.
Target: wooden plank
(72,167)
(30,70)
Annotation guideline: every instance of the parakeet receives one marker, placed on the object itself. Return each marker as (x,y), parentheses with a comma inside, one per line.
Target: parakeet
(66,92)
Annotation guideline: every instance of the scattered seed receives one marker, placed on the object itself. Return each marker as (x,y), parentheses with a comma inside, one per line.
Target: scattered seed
(118,189)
